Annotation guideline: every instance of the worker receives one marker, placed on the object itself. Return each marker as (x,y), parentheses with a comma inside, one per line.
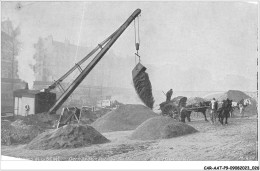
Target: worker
(27,109)
(169,95)
(214,107)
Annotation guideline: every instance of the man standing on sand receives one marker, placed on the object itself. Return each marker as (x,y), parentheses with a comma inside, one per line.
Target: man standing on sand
(214,107)
(241,109)
(27,110)
(169,95)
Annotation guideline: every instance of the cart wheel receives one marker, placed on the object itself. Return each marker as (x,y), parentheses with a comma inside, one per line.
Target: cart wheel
(168,110)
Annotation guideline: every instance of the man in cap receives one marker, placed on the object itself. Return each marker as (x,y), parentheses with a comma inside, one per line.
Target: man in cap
(214,107)
(169,95)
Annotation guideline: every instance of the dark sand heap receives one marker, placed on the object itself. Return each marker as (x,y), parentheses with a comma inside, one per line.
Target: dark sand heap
(18,132)
(68,136)
(236,96)
(20,124)
(194,100)
(161,128)
(22,129)
(126,117)
(42,120)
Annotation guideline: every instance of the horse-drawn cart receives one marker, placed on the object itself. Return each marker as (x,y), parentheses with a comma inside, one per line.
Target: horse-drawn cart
(178,109)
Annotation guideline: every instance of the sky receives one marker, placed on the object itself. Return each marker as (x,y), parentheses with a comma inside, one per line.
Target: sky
(188,46)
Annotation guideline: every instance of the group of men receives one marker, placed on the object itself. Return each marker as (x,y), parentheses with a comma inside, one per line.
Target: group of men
(214,106)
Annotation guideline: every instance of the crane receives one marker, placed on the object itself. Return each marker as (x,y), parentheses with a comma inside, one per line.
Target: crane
(104,47)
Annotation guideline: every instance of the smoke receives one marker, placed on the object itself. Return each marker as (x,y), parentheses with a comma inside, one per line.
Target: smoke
(26,38)
(25,57)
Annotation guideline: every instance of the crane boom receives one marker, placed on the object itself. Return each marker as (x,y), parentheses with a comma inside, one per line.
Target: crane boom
(92,64)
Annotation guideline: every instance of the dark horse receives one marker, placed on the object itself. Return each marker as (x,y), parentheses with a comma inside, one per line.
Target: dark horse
(202,108)
(224,111)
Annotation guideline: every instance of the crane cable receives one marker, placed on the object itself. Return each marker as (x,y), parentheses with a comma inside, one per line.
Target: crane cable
(79,38)
(80,30)
(137,40)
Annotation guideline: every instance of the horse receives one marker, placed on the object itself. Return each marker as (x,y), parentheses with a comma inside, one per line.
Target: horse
(242,104)
(201,107)
(224,111)
(234,106)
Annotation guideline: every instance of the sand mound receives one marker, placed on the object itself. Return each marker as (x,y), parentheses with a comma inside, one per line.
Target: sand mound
(126,117)
(22,129)
(236,96)
(195,100)
(161,127)
(42,120)
(179,99)
(18,132)
(20,124)
(68,136)
(213,95)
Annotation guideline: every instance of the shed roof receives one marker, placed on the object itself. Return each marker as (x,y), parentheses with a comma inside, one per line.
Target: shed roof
(25,92)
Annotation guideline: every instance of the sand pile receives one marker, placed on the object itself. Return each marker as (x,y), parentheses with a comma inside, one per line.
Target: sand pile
(99,113)
(213,95)
(19,124)
(236,96)
(42,120)
(195,100)
(18,132)
(161,127)
(178,99)
(126,117)
(22,129)
(68,136)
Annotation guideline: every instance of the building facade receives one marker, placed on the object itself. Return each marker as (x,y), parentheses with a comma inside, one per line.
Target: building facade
(9,67)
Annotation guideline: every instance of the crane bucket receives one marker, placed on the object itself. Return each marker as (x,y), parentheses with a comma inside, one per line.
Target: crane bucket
(143,85)
(137,69)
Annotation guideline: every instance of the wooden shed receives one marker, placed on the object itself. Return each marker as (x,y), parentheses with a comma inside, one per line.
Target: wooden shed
(37,101)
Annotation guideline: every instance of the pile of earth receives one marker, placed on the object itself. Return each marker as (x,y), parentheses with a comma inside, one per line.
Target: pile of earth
(236,96)
(194,100)
(213,95)
(161,128)
(18,132)
(88,116)
(176,100)
(42,120)
(125,117)
(68,136)
(22,129)
(99,113)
